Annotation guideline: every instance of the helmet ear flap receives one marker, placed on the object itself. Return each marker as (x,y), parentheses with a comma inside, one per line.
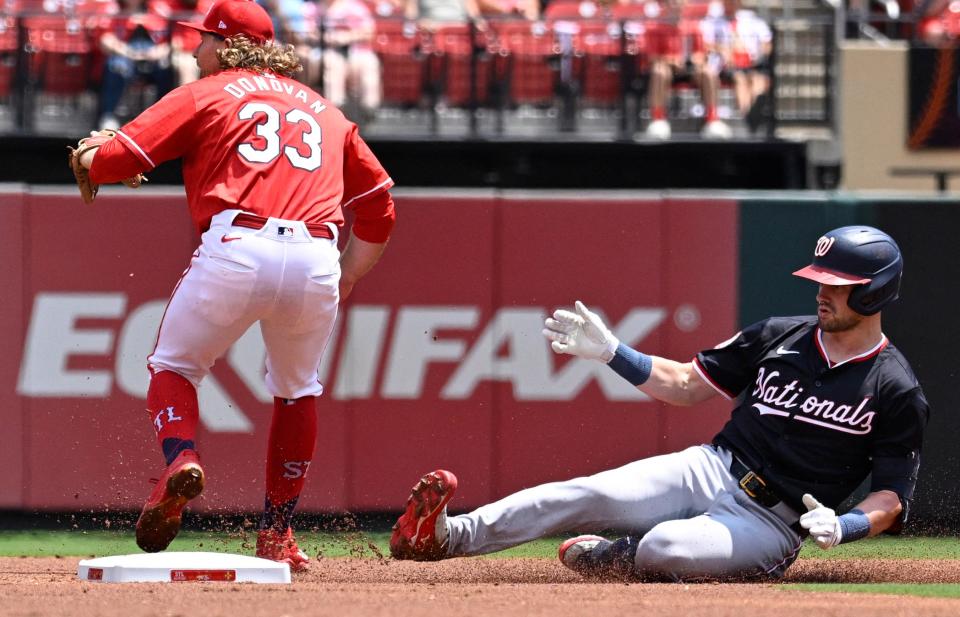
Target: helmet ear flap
(863,300)
(868,299)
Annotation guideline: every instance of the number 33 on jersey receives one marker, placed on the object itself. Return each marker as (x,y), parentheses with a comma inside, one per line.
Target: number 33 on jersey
(250,125)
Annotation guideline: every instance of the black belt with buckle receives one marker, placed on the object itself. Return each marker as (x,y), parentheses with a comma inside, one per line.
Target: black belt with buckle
(753,485)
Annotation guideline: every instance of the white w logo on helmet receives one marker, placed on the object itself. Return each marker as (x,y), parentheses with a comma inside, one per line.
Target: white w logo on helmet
(823,245)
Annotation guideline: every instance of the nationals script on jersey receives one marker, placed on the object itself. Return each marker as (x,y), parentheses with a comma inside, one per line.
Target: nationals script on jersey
(808,424)
(261,143)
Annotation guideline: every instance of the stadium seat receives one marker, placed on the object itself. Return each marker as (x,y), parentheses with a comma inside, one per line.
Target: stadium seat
(403,66)
(526,61)
(572,10)
(34,7)
(600,44)
(633,24)
(8,55)
(61,53)
(452,48)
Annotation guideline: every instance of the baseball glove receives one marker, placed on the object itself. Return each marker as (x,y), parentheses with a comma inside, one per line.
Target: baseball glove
(88,190)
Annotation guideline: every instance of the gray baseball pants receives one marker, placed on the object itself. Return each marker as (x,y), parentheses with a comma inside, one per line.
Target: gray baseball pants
(694,519)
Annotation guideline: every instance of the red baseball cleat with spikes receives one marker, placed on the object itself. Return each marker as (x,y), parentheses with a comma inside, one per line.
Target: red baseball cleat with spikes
(421,532)
(159,522)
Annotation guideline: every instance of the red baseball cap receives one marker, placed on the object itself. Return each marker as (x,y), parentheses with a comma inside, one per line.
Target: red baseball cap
(228,18)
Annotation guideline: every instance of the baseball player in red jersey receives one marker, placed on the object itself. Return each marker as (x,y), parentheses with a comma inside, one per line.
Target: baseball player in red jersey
(269,166)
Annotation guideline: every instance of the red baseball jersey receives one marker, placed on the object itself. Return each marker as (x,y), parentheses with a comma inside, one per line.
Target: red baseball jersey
(258,142)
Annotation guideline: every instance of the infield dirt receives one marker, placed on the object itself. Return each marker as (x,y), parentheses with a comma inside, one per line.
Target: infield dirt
(347,587)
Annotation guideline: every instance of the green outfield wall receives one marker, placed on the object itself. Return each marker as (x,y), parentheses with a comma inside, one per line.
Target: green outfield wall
(775,237)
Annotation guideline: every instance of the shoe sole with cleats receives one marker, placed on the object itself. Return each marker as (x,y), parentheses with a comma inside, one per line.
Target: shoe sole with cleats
(414,533)
(159,523)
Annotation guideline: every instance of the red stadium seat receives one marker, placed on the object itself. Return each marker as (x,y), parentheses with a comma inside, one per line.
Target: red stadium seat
(452,68)
(61,54)
(8,55)
(404,69)
(633,22)
(572,10)
(601,45)
(694,11)
(32,7)
(526,61)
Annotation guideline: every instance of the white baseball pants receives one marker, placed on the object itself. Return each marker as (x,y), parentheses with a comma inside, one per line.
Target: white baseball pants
(278,275)
(694,519)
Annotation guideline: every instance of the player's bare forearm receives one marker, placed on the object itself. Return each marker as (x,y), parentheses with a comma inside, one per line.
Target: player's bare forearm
(883,508)
(357,259)
(676,383)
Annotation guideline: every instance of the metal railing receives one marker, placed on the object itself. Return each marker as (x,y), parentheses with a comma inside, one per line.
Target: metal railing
(565,71)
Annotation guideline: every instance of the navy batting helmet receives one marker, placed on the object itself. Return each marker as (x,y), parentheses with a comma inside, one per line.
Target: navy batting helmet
(862,256)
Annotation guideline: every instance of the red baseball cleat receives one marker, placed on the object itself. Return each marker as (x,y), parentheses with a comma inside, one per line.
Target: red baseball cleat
(159,522)
(421,532)
(281,546)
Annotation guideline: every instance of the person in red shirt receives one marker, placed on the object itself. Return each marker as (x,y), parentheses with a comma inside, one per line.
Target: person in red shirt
(349,62)
(269,167)
(675,46)
(137,46)
(183,41)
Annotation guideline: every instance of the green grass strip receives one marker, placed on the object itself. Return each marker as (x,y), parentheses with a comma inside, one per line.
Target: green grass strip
(931,590)
(888,547)
(100,543)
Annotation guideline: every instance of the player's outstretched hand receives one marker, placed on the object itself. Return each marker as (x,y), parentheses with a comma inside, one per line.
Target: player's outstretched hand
(822,523)
(580,334)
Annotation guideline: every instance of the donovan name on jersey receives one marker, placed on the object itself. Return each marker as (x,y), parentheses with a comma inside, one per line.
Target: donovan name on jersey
(239,88)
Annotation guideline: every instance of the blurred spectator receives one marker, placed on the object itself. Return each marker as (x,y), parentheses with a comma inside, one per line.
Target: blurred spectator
(675,45)
(502,9)
(431,14)
(137,47)
(184,41)
(68,7)
(296,23)
(387,8)
(750,58)
(349,62)
(939,21)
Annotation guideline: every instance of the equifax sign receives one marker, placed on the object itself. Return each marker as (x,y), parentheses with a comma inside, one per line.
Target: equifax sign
(376,351)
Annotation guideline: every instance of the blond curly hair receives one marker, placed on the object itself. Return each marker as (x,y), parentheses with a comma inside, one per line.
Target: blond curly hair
(242,53)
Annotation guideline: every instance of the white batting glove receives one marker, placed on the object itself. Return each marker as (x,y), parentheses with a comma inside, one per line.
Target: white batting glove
(822,523)
(580,334)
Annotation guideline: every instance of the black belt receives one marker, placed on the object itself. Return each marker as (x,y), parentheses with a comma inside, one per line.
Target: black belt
(753,485)
(756,488)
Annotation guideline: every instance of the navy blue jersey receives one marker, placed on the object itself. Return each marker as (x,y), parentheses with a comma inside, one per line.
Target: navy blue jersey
(809,425)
